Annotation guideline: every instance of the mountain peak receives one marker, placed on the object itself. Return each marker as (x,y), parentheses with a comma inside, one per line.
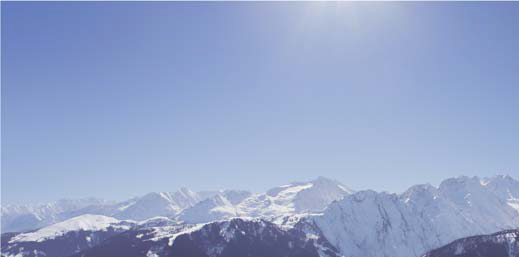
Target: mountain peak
(324,179)
(457,183)
(420,189)
(327,182)
(500,179)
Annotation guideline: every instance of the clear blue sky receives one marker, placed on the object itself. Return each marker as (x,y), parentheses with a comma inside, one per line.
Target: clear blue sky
(114,100)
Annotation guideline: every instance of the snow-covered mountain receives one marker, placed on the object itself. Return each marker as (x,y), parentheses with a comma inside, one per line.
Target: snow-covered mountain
(233,238)
(96,236)
(316,218)
(295,198)
(374,224)
(158,204)
(501,244)
(31,216)
(64,238)
(185,205)
(26,217)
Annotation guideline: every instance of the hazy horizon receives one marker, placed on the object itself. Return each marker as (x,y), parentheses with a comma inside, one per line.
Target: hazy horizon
(259,192)
(112,100)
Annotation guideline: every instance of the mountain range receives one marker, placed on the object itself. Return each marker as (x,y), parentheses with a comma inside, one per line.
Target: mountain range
(184,205)
(317,218)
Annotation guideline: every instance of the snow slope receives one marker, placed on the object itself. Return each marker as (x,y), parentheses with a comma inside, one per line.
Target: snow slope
(294,198)
(85,222)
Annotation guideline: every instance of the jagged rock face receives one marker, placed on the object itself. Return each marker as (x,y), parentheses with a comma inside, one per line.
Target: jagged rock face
(502,244)
(374,224)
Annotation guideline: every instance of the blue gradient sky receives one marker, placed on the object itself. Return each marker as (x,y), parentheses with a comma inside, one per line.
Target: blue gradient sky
(118,99)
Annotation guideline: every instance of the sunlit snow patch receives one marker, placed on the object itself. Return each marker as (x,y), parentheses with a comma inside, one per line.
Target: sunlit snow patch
(85,222)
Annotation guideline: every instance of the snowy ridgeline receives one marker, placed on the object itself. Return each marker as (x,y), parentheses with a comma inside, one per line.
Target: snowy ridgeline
(184,205)
(322,217)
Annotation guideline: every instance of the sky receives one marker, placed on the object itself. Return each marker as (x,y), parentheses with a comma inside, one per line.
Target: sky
(114,100)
